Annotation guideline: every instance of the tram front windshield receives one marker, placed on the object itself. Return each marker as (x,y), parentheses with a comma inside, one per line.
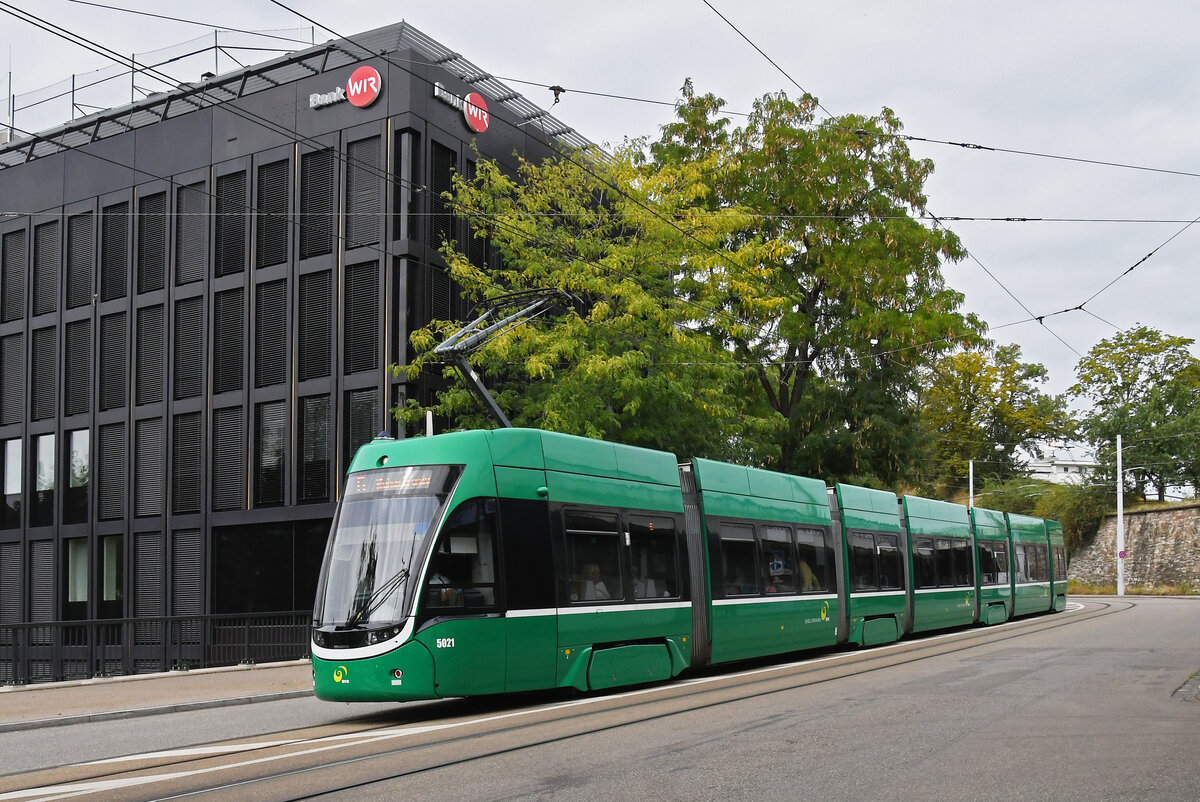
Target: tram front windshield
(378,542)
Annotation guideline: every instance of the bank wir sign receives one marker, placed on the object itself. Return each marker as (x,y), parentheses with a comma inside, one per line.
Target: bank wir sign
(473,107)
(362,89)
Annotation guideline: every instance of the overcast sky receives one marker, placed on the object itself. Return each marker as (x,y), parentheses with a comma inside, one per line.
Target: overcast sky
(1100,80)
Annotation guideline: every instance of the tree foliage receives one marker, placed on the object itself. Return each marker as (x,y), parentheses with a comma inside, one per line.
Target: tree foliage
(830,292)
(1081,509)
(976,400)
(1144,385)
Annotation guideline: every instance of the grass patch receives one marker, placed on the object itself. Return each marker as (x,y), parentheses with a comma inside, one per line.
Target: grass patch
(1077,588)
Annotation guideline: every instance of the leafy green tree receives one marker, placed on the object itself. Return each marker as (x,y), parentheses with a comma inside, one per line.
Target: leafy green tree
(975,400)
(1145,386)
(830,292)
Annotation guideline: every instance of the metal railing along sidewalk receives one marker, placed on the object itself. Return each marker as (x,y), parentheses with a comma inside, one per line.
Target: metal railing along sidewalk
(71,650)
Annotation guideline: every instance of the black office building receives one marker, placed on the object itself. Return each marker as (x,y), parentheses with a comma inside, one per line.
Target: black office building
(200,295)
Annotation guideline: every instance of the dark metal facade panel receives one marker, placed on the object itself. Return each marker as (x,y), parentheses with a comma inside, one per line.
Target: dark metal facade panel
(14,269)
(229,337)
(114,251)
(81,254)
(231,215)
(111,470)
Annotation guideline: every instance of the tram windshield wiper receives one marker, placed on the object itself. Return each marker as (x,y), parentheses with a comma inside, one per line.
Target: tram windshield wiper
(367,607)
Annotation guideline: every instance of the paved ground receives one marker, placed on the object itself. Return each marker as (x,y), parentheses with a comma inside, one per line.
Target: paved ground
(51,704)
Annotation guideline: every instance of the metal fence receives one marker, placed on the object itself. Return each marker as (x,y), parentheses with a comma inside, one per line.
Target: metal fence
(65,650)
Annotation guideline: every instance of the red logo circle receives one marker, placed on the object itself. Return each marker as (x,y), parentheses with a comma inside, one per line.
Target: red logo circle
(475,111)
(364,86)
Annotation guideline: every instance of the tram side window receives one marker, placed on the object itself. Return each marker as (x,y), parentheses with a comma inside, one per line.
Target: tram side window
(891,569)
(993,562)
(462,572)
(738,557)
(1039,565)
(593,556)
(862,561)
(652,552)
(1022,562)
(964,574)
(1060,564)
(945,563)
(777,559)
(813,561)
(1000,553)
(924,563)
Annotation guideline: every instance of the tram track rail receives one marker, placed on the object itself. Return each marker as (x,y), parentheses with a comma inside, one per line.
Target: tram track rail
(433,742)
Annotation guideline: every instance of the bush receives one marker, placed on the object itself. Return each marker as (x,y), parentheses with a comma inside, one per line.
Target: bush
(1080,510)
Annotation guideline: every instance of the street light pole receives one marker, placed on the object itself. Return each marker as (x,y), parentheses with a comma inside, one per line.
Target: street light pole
(1120,522)
(971,478)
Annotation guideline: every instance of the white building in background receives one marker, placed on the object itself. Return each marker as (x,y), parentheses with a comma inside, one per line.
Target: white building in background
(1063,465)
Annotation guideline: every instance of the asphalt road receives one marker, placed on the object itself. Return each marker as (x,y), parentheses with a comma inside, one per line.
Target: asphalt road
(1092,704)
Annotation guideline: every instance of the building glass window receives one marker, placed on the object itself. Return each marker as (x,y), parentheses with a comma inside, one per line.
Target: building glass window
(42,511)
(10,511)
(76,553)
(112,576)
(75,495)
(270,434)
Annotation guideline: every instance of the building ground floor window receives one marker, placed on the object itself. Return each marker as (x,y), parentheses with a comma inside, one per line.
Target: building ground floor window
(267,567)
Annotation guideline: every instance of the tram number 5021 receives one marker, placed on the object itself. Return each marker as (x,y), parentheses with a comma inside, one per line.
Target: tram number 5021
(445,643)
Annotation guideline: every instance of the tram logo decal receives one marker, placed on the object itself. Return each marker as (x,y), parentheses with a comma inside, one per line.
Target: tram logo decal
(341,675)
(825,611)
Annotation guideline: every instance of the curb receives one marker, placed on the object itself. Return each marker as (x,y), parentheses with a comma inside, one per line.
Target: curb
(71,683)
(181,707)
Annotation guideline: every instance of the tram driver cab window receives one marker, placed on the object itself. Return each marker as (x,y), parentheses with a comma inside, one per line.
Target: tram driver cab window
(462,572)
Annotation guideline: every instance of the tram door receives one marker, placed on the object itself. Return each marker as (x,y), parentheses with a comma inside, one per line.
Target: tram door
(528,586)
(467,635)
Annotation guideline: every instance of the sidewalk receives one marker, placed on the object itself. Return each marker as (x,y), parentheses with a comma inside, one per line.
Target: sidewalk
(58,703)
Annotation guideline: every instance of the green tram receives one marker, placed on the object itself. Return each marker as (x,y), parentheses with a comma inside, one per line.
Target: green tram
(487,562)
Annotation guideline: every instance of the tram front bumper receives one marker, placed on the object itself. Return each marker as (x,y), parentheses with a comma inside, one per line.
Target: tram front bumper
(403,674)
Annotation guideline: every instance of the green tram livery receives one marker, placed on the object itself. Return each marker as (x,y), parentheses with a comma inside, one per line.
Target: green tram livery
(487,562)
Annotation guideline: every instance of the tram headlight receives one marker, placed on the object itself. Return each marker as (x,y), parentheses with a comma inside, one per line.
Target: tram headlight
(381,635)
(319,638)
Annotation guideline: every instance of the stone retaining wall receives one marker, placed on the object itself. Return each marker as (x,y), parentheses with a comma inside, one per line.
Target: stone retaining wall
(1162,547)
